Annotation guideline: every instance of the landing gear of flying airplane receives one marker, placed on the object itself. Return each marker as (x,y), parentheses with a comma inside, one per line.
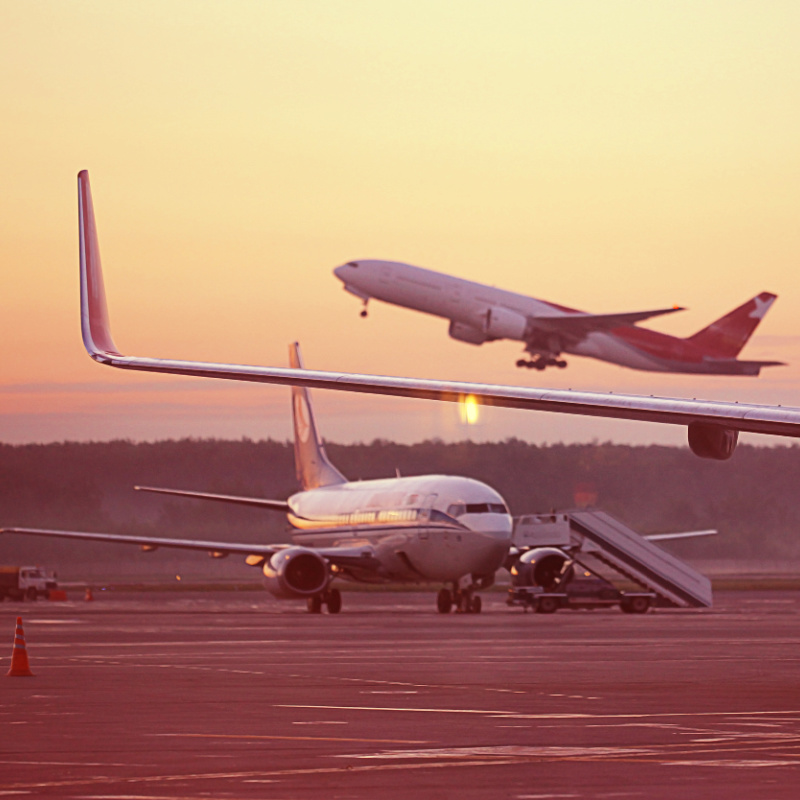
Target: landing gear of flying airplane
(332,598)
(542,362)
(364,310)
(464,600)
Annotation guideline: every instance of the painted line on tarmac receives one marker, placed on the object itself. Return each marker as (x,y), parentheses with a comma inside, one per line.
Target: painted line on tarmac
(350,769)
(288,773)
(517,715)
(288,738)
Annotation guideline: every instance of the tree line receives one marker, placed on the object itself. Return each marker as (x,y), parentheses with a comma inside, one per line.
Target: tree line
(752,499)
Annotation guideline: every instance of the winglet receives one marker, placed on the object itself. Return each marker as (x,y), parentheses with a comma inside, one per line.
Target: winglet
(94,312)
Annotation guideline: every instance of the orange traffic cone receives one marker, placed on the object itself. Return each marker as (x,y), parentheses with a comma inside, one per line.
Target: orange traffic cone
(19,655)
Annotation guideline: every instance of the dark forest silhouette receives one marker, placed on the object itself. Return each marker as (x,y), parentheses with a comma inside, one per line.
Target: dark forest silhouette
(752,499)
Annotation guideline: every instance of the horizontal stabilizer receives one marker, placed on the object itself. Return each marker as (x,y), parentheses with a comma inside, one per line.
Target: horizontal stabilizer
(732,366)
(255,502)
(663,537)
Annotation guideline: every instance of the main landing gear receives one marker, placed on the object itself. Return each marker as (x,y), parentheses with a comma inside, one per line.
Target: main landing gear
(464,601)
(542,362)
(332,598)
(364,310)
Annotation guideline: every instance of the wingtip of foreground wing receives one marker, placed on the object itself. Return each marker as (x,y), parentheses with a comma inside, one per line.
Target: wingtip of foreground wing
(95,327)
(295,356)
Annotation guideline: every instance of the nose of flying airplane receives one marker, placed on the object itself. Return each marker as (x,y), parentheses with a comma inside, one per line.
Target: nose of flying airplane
(344,270)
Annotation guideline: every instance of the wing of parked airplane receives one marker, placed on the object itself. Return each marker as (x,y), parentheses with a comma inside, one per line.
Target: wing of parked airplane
(253,502)
(343,557)
(713,426)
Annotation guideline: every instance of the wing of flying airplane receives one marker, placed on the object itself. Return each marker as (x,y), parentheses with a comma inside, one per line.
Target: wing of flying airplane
(574,327)
(713,426)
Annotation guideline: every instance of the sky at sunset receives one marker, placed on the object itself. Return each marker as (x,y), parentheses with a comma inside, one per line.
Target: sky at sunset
(612,156)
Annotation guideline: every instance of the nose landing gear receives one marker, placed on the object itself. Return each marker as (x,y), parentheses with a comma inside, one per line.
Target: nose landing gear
(463,600)
(332,598)
(364,310)
(540,362)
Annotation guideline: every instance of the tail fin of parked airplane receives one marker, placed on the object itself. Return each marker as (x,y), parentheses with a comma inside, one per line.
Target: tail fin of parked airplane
(311,460)
(729,334)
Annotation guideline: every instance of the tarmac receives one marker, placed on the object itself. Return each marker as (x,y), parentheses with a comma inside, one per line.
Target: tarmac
(235,695)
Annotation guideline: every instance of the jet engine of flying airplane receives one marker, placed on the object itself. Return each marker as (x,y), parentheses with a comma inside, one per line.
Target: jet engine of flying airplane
(478,313)
(423,529)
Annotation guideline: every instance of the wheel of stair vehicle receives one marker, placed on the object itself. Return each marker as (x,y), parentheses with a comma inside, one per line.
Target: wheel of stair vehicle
(639,605)
(547,605)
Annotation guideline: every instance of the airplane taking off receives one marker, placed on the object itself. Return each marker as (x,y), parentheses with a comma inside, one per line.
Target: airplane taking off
(430,528)
(713,426)
(480,313)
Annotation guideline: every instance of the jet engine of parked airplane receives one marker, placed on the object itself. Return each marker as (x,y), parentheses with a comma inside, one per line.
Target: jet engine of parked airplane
(542,566)
(296,572)
(712,441)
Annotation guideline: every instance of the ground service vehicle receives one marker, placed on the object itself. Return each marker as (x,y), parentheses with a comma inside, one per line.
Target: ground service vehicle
(574,587)
(19,583)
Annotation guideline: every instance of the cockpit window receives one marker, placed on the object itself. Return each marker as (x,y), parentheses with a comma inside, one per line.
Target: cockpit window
(459,509)
(352,263)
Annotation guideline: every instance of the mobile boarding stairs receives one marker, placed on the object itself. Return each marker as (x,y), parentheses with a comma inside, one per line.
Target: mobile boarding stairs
(587,535)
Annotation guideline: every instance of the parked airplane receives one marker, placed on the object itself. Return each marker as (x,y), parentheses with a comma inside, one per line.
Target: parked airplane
(424,529)
(713,426)
(480,313)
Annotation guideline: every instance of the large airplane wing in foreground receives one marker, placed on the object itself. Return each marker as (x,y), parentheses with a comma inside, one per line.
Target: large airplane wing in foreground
(713,426)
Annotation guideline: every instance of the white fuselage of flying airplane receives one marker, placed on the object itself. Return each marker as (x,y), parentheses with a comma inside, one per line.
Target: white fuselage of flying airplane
(479,313)
(428,528)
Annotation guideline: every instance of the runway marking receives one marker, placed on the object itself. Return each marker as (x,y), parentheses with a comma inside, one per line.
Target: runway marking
(288,773)
(395,766)
(437,686)
(69,763)
(536,752)
(746,764)
(543,796)
(517,715)
(287,738)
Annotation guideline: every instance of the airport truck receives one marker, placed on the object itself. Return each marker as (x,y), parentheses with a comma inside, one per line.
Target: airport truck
(573,587)
(21,583)
(587,594)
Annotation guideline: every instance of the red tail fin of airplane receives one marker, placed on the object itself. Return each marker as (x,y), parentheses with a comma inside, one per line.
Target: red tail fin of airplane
(729,334)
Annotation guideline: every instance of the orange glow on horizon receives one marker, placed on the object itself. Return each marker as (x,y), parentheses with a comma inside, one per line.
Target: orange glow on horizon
(609,157)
